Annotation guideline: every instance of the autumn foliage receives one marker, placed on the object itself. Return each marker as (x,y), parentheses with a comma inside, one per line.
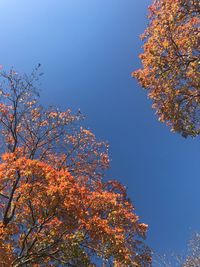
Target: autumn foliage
(170,63)
(55,209)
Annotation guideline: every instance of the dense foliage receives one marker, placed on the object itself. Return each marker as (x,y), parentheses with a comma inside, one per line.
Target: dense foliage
(170,63)
(55,209)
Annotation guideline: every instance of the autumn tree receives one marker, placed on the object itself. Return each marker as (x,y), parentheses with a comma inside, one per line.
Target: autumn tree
(55,208)
(170,63)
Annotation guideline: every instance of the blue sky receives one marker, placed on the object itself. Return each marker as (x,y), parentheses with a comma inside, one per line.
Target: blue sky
(88,49)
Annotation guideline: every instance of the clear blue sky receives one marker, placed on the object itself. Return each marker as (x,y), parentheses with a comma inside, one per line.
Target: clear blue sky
(88,49)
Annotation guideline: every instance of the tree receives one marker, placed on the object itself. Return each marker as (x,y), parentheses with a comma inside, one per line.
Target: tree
(170,63)
(190,259)
(193,258)
(55,209)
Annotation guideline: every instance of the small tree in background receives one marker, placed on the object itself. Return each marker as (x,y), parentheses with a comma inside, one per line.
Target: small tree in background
(193,257)
(55,210)
(170,63)
(190,259)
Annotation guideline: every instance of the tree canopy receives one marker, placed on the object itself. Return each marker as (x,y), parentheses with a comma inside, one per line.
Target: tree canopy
(55,208)
(170,63)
